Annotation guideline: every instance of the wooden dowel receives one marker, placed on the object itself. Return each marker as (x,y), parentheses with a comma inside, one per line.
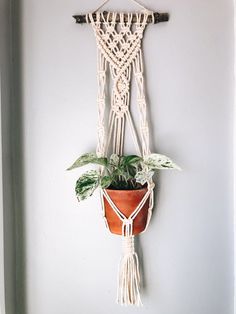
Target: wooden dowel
(158,17)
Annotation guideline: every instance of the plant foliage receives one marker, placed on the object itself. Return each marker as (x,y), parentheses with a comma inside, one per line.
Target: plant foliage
(118,172)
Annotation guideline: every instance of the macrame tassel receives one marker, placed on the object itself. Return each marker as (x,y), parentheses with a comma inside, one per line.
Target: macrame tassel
(128,292)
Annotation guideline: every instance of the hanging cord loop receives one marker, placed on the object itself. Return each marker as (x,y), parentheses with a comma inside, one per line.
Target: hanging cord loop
(134,1)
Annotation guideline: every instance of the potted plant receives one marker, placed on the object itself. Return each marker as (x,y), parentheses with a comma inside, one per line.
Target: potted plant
(125,179)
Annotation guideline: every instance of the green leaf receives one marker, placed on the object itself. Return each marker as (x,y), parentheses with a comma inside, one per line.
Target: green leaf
(131,171)
(158,161)
(105,182)
(87,184)
(131,160)
(117,172)
(89,158)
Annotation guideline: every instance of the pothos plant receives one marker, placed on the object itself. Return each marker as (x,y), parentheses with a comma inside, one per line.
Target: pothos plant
(129,172)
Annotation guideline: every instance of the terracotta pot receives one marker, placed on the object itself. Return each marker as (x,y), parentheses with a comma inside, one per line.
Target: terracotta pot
(126,201)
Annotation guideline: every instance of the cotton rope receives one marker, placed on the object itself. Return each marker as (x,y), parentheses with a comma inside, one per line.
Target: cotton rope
(119,48)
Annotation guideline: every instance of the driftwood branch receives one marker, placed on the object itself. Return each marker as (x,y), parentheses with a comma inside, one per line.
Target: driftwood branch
(158,17)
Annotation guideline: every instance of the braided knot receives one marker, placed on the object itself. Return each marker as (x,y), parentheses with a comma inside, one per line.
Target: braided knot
(128,245)
(119,109)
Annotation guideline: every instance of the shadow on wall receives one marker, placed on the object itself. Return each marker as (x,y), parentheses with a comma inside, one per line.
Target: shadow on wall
(13,169)
(18,160)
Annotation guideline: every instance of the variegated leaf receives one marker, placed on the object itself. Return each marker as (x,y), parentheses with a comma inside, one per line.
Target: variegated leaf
(86,184)
(144,176)
(89,158)
(114,160)
(105,182)
(158,161)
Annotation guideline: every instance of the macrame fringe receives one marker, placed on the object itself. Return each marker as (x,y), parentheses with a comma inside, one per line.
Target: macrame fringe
(128,291)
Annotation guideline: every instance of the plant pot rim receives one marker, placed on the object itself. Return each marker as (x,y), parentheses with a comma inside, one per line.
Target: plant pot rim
(128,191)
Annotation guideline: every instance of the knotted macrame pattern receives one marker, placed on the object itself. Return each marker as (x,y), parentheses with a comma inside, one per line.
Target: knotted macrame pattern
(119,48)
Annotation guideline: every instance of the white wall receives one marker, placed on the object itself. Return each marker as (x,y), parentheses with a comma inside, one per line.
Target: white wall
(70,260)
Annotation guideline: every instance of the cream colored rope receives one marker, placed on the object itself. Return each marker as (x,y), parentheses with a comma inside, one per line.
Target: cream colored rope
(122,50)
(134,1)
(119,48)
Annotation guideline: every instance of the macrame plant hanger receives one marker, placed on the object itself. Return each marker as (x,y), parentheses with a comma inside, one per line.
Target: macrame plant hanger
(119,37)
